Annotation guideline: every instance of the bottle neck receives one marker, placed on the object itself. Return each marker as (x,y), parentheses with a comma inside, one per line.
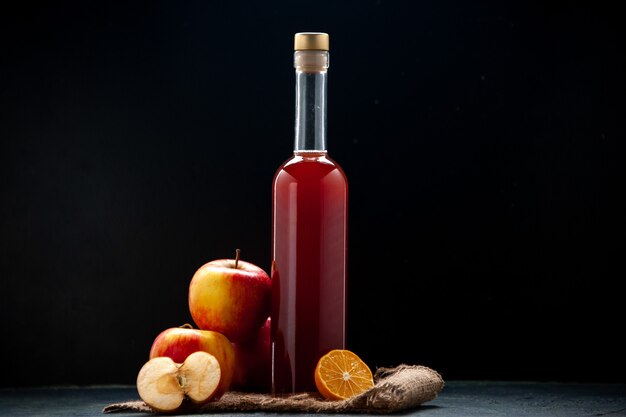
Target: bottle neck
(311,76)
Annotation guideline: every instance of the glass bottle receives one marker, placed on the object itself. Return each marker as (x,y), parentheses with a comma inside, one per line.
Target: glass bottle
(309,234)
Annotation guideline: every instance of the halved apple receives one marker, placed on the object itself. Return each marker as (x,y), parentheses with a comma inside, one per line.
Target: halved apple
(166,386)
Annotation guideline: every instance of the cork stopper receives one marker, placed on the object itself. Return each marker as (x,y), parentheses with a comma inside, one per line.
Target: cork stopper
(311,41)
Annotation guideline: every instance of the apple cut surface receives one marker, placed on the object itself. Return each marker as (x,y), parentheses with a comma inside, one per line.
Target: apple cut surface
(157,385)
(200,376)
(166,386)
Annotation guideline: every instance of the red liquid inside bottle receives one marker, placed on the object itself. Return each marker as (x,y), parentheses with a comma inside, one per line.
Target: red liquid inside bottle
(309,287)
(309,236)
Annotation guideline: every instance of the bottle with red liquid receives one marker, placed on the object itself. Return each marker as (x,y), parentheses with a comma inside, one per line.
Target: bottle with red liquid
(309,234)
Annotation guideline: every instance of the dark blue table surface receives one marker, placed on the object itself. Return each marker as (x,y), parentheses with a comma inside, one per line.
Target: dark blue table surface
(458,398)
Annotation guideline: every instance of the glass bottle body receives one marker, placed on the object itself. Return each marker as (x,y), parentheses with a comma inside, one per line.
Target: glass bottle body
(309,251)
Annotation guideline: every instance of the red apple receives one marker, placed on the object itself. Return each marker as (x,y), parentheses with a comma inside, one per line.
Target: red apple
(231,297)
(178,343)
(253,362)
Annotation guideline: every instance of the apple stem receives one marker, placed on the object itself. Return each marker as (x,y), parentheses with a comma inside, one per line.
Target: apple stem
(237,253)
(186,326)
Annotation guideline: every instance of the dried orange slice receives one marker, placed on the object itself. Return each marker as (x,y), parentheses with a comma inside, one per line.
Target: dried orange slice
(341,374)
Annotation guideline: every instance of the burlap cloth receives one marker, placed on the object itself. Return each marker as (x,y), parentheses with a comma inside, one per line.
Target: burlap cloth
(396,389)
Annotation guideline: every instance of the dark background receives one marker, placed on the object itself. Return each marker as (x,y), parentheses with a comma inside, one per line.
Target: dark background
(483,143)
